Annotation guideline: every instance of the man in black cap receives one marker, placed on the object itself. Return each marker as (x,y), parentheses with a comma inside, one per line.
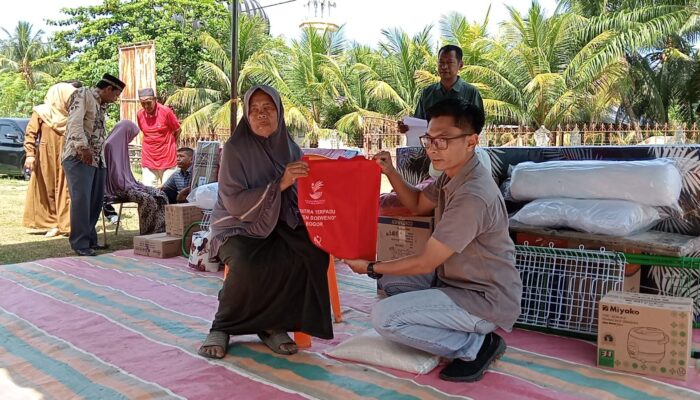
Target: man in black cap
(83,160)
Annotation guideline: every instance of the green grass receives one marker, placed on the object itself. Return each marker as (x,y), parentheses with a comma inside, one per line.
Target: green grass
(20,244)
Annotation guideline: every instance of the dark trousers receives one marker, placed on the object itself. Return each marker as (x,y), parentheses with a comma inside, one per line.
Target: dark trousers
(172,195)
(86,185)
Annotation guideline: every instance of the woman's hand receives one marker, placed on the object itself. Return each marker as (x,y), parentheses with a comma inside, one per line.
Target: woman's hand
(383,158)
(358,266)
(294,170)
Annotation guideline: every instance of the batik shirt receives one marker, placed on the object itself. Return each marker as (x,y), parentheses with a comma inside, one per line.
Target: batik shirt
(86,126)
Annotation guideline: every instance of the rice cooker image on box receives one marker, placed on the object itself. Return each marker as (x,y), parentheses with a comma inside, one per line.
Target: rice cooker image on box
(647,344)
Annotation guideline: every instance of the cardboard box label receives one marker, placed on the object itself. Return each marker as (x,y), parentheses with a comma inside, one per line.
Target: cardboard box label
(399,237)
(646,334)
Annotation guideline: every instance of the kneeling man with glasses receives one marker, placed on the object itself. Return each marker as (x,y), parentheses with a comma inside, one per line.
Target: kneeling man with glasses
(450,299)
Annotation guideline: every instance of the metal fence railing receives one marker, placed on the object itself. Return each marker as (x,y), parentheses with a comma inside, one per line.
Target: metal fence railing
(381,134)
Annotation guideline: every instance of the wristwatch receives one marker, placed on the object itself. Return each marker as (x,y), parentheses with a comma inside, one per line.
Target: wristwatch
(370,271)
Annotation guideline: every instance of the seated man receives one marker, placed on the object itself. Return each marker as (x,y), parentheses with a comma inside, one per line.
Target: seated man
(475,288)
(177,187)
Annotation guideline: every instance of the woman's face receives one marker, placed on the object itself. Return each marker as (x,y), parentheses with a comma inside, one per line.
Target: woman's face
(262,114)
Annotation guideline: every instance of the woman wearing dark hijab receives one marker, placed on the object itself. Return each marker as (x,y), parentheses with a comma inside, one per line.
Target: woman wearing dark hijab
(121,185)
(277,278)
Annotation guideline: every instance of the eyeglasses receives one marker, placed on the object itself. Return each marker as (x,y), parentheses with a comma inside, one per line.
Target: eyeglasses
(440,142)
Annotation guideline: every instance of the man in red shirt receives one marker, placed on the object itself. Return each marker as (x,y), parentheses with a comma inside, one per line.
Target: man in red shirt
(160,129)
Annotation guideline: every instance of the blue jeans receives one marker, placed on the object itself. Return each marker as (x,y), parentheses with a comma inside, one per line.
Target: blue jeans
(427,319)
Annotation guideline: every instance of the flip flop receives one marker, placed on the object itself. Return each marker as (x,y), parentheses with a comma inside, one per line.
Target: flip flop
(275,341)
(215,338)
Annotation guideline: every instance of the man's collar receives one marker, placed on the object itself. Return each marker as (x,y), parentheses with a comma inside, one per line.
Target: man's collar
(459,84)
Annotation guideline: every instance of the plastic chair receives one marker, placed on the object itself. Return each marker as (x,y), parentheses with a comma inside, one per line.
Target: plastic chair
(303,340)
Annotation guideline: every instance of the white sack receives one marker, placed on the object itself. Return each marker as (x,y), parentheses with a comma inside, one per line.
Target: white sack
(652,182)
(204,196)
(370,348)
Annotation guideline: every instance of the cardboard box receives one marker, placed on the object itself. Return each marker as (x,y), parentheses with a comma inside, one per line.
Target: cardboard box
(645,334)
(399,237)
(206,163)
(180,216)
(158,245)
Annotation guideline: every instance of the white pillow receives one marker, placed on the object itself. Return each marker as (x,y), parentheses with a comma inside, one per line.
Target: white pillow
(652,182)
(370,348)
(605,217)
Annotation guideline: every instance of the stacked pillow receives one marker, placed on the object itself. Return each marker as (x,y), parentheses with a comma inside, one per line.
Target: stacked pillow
(616,198)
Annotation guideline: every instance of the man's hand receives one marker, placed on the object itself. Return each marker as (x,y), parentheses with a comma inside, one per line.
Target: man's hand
(358,266)
(29,163)
(294,170)
(383,158)
(85,156)
(182,195)
(403,128)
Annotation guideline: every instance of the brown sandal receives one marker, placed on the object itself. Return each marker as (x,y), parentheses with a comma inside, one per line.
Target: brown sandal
(214,338)
(275,341)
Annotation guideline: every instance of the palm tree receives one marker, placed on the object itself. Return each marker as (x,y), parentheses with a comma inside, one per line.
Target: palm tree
(654,39)
(208,106)
(538,73)
(383,82)
(24,52)
(299,74)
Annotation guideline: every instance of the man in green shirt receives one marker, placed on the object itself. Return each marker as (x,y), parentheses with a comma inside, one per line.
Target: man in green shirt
(450,85)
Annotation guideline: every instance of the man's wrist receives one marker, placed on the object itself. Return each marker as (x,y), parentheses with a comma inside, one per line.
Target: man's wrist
(370,270)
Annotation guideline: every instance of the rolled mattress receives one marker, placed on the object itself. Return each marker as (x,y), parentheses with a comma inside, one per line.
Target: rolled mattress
(651,182)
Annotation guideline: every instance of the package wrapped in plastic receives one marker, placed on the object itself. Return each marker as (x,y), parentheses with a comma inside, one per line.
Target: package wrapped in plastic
(370,348)
(604,217)
(651,182)
(204,196)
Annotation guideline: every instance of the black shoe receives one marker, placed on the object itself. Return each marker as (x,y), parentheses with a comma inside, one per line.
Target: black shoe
(99,247)
(86,252)
(471,371)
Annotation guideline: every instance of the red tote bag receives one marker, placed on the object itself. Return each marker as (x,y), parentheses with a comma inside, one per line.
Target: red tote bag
(339,202)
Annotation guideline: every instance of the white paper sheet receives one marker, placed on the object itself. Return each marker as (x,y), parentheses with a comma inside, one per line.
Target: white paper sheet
(416,129)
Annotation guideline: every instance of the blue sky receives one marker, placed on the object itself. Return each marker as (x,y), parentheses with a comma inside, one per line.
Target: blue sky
(362,19)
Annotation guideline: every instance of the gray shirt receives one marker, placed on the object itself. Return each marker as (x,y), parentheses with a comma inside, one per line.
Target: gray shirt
(471,219)
(436,92)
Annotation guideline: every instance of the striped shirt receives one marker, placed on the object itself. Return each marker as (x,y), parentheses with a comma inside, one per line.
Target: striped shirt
(179,180)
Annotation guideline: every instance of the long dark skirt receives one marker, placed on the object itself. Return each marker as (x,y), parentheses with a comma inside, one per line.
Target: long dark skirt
(276,283)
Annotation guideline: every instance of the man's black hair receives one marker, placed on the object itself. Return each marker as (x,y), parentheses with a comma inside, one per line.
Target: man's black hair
(450,47)
(187,150)
(465,114)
